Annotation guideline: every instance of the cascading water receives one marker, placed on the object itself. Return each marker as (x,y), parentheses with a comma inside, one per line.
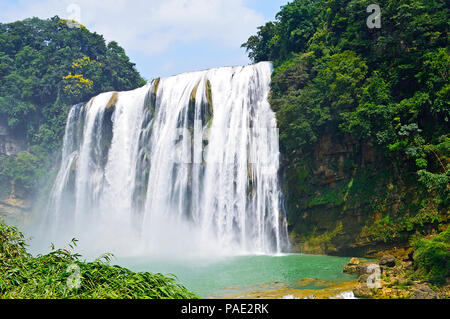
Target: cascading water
(185,164)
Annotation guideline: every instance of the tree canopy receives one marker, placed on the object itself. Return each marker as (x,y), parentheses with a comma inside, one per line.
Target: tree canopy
(387,87)
(46,66)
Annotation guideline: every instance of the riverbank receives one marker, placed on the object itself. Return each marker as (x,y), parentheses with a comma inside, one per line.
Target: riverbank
(307,288)
(396,275)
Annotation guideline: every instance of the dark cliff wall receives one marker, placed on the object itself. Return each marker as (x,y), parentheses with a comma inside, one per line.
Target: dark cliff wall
(343,198)
(13,208)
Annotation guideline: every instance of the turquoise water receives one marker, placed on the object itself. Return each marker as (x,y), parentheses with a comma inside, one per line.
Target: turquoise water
(243,273)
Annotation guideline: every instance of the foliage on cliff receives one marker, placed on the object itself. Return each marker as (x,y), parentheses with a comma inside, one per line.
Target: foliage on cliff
(50,276)
(46,66)
(383,88)
(21,171)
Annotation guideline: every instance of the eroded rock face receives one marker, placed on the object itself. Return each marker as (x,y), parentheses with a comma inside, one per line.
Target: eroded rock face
(324,197)
(335,191)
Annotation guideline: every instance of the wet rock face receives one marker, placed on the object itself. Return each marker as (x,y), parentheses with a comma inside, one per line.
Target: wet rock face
(330,156)
(337,192)
(9,143)
(329,189)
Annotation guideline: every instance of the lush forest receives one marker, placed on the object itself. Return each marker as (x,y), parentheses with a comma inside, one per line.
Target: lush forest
(46,66)
(363,115)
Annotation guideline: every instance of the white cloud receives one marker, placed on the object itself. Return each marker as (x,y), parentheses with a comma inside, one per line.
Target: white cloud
(152,27)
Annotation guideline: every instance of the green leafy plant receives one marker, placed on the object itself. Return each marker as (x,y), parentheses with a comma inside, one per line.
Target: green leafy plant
(24,276)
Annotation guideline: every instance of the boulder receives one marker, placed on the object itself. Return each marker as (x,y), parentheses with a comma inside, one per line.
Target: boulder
(423,292)
(354,261)
(359,269)
(387,260)
(350,269)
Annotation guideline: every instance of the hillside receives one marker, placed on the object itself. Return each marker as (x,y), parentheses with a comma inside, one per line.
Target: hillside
(46,66)
(362,112)
(364,122)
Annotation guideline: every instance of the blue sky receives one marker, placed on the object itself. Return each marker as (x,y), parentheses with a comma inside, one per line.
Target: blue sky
(163,37)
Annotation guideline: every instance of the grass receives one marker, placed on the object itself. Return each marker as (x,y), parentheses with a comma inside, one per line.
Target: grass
(56,274)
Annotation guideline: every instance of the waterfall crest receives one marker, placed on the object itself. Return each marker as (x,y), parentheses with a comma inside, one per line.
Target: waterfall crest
(185,164)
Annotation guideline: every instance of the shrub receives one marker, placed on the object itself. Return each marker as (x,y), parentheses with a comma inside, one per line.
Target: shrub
(432,255)
(46,276)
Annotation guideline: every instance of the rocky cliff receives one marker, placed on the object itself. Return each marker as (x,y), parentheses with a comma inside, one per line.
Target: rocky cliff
(343,198)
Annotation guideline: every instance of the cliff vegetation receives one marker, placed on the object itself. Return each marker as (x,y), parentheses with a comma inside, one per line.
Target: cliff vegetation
(46,66)
(363,115)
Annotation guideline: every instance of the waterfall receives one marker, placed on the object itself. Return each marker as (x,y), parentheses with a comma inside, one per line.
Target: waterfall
(185,164)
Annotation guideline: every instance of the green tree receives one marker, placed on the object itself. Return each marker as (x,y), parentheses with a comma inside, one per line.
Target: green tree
(46,67)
